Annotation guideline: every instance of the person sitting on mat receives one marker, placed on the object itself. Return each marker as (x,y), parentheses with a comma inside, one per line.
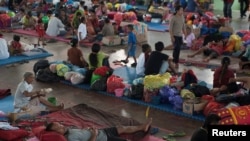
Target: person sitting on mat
(75,55)
(188,40)
(28,21)
(27,99)
(245,60)
(15,47)
(82,33)
(55,25)
(108,28)
(97,58)
(142,59)
(4,53)
(93,134)
(222,75)
(76,21)
(201,134)
(211,51)
(158,62)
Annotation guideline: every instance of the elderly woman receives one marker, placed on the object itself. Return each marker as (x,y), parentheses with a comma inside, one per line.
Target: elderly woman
(27,99)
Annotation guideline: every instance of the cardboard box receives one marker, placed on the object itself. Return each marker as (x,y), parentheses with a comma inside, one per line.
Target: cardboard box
(193,105)
(111,40)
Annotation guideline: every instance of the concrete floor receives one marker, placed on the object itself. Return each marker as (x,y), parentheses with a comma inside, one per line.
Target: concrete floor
(11,76)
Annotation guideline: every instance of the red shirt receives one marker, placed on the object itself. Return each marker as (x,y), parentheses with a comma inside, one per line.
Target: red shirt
(40,30)
(16,45)
(224,80)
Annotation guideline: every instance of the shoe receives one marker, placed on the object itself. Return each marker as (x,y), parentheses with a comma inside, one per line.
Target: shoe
(124,61)
(133,65)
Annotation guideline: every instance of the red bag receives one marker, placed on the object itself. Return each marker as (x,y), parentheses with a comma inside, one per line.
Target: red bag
(148,94)
(114,82)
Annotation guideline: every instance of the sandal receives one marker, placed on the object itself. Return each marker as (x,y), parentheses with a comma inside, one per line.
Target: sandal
(154,130)
(177,134)
(167,138)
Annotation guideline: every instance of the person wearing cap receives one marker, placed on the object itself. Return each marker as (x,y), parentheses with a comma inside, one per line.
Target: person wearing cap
(26,98)
(4,53)
(75,55)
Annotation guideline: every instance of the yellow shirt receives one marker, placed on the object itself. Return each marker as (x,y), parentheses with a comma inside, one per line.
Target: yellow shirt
(151,9)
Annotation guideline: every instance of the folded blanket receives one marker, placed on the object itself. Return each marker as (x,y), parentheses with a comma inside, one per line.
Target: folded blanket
(4,93)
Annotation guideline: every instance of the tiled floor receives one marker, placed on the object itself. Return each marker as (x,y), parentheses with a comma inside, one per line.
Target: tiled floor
(11,76)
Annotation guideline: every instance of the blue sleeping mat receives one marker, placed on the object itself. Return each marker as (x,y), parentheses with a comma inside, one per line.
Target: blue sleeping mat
(24,57)
(6,105)
(163,107)
(157,27)
(128,74)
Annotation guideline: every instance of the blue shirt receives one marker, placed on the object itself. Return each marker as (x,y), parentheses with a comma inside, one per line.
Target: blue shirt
(131,38)
(191,6)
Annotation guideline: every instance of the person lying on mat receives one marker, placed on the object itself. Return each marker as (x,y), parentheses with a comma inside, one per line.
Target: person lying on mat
(75,55)
(201,134)
(158,62)
(4,53)
(222,75)
(211,51)
(93,134)
(27,99)
(28,21)
(97,58)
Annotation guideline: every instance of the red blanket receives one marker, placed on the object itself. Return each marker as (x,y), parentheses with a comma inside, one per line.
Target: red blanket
(81,116)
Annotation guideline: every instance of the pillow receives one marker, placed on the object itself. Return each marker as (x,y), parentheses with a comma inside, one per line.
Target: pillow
(43,135)
(10,135)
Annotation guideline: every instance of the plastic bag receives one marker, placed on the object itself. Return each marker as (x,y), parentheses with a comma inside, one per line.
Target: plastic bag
(156,81)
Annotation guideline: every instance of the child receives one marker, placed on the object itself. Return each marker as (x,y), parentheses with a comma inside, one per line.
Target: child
(41,32)
(15,46)
(131,45)
(189,38)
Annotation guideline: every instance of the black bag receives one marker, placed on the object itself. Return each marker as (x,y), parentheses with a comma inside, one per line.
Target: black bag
(136,91)
(88,76)
(45,75)
(199,90)
(100,84)
(41,64)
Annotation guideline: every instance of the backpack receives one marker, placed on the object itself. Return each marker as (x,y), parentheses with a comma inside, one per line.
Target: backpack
(99,84)
(199,90)
(136,92)
(40,64)
(45,75)
(188,78)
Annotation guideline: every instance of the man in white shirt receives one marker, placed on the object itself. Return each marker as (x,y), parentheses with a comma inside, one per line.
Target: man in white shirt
(25,98)
(55,26)
(4,53)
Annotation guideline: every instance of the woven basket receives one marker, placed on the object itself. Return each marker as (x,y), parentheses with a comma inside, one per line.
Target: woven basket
(199,104)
